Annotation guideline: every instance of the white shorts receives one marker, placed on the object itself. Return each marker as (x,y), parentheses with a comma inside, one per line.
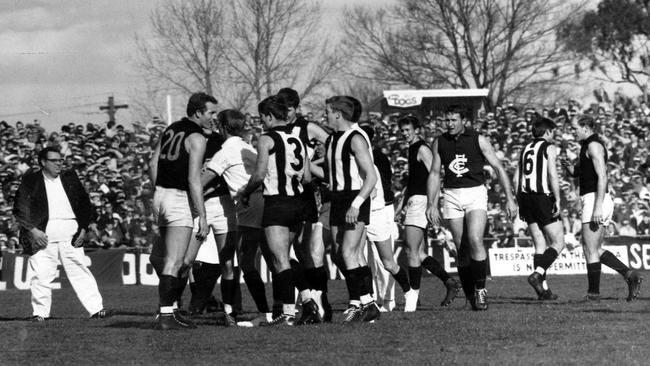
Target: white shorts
(220,214)
(460,201)
(172,207)
(415,211)
(381,224)
(251,215)
(588,200)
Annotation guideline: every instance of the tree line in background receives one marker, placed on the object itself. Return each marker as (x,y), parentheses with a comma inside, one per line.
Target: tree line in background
(521,50)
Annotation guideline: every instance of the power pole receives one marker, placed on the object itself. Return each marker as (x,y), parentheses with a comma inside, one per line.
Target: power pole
(111,108)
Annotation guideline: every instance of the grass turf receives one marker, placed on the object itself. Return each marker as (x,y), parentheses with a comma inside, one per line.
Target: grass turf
(517,329)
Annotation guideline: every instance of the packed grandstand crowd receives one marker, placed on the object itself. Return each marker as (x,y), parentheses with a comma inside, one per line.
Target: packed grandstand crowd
(112,161)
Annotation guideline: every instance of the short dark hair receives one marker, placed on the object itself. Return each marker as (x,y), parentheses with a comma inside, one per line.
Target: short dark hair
(290,96)
(541,125)
(197,102)
(342,104)
(358,109)
(586,120)
(274,105)
(409,119)
(42,155)
(457,109)
(233,121)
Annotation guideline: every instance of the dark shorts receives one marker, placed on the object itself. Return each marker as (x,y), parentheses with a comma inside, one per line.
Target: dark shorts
(340,204)
(310,210)
(537,208)
(283,211)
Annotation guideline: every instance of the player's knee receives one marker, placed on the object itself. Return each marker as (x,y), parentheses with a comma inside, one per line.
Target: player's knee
(172,268)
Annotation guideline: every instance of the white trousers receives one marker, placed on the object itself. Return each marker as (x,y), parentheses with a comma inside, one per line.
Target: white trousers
(43,265)
(383,280)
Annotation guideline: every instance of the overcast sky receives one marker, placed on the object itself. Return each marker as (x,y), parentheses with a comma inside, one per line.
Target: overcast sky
(61,59)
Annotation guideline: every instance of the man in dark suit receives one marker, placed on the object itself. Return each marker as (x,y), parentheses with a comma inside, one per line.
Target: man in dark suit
(54,212)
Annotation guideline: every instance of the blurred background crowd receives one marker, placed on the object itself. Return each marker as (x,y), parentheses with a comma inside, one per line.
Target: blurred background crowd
(112,162)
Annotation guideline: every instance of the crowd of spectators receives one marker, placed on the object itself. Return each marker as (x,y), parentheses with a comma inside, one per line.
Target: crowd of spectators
(112,162)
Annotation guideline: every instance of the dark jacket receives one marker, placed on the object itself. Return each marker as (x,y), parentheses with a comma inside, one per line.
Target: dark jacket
(31,210)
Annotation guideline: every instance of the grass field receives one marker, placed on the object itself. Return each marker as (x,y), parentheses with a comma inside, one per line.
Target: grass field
(516,330)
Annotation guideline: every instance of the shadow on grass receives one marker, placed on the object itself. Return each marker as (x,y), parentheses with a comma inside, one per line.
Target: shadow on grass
(132,325)
(617,311)
(15,319)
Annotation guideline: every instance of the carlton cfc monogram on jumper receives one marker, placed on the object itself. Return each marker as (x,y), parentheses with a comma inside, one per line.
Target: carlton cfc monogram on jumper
(458,165)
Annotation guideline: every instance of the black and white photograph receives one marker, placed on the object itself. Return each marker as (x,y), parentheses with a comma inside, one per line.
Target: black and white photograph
(324,182)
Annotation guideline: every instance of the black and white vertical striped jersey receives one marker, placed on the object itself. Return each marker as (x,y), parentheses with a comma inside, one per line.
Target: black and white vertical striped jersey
(341,168)
(286,165)
(533,168)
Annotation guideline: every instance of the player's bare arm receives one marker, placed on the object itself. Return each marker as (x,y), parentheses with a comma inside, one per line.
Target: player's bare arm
(316,132)
(433,186)
(425,156)
(264,145)
(367,171)
(153,164)
(491,157)
(316,168)
(307,175)
(195,145)
(553,177)
(207,175)
(515,179)
(596,153)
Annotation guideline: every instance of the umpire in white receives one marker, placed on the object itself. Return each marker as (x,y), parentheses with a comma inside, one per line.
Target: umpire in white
(53,211)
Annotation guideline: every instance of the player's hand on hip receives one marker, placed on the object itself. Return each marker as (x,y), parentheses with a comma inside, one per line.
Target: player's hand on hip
(80,239)
(351,215)
(202,234)
(433,215)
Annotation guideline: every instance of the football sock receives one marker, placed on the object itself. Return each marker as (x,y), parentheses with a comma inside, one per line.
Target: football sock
(238,305)
(415,275)
(349,285)
(366,299)
(277,303)
(180,288)
(536,266)
(228,291)
(311,277)
(286,287)
(289,309)
(256,288)
(593,277)
(402,279)
(205,277)
(321,278)
(546,259)
(299,276)
(479,272)
(167,291)
(467,280)
(368,287)
(610,260)
(356,283)
(434,267)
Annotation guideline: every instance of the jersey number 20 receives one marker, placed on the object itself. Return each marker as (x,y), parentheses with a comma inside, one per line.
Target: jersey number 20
(170,148)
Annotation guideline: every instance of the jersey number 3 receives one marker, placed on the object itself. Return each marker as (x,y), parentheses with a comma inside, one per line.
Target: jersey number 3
(170,148)
(297,153)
